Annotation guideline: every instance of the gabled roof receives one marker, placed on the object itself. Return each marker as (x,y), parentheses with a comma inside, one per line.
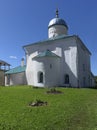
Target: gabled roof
(50,40)
(83,45)
(58,38)
(15,70)
(3,63)
(46,53)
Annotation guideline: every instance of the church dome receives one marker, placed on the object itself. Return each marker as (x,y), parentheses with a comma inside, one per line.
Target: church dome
(57,27)
(57,21)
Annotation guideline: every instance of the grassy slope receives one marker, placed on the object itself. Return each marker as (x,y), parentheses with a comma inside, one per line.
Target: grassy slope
(75,109)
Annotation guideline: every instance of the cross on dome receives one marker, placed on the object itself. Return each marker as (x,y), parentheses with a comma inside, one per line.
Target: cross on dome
(57,13)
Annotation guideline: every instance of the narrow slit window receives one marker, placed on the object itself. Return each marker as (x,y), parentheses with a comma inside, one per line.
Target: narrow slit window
(66,79)
(40,77)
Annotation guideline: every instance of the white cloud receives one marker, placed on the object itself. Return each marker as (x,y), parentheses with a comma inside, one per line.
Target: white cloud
(13,57)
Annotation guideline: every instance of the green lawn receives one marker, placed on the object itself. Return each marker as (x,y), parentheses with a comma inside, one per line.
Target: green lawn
(74,109)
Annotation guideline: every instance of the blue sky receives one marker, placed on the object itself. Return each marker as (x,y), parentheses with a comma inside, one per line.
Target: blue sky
(26,21)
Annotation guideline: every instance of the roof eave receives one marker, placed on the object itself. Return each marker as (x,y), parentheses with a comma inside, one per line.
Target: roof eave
(83,44)
(49,40)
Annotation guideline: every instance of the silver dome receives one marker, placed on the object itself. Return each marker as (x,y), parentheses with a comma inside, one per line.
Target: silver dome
(57,21)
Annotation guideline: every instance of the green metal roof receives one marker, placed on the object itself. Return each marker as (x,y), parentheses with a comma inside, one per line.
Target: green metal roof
(15,70)
(46,53)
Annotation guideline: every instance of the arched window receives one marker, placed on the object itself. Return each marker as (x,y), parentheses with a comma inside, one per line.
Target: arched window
(40,77)
(66,79)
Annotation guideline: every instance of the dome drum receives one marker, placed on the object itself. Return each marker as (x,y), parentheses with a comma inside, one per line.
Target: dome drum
(57,30)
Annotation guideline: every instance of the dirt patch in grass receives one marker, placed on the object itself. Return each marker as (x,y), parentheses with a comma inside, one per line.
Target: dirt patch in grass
(38,103)
(54,91)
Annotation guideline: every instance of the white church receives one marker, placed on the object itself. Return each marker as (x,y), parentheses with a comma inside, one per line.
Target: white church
(61,60)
